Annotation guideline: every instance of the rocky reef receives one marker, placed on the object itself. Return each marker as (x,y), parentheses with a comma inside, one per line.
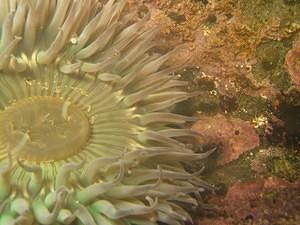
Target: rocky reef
(243,58)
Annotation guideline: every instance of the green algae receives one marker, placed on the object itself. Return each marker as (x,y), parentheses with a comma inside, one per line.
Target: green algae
(270,65)
(258,13)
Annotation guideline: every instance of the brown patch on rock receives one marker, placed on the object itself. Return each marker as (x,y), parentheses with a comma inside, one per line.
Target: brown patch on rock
(213,221)
(235,135)
(292,61)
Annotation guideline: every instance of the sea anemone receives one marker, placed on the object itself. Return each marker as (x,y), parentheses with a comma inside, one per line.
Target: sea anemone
(87,135)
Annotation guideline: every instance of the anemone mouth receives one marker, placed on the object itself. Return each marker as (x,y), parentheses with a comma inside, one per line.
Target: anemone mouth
(44,129)
(87,135)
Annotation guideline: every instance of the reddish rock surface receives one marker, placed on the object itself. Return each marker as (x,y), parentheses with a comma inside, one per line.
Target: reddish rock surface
(214,38)
(292,61)
(263,201)
(210,221)
(235,135)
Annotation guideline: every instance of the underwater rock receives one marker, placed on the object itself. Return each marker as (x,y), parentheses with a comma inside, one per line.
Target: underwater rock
(263,201)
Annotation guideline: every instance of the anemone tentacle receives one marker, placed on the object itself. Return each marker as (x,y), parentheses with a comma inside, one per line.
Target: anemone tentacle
(87,132)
